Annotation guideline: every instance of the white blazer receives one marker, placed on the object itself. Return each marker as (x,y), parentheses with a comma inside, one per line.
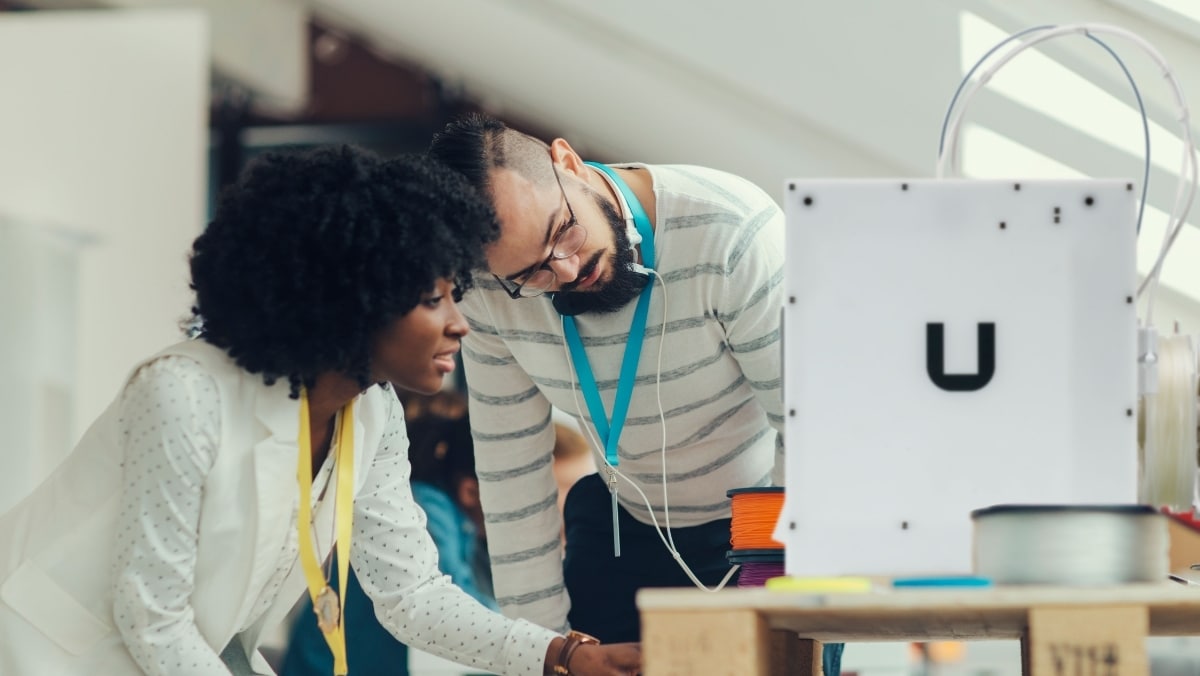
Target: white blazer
(56,598)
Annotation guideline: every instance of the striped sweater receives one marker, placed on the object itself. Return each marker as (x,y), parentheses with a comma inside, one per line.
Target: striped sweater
(719,249)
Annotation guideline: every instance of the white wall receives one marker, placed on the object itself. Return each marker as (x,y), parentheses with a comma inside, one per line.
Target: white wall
(261,45)
(104,134)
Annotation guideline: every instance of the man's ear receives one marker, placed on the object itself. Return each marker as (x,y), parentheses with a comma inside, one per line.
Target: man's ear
(567,159)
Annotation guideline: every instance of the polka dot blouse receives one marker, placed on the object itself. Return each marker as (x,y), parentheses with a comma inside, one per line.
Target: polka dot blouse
(171,430)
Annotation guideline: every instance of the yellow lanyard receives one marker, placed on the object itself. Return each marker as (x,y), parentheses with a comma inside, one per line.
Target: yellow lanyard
(329,605)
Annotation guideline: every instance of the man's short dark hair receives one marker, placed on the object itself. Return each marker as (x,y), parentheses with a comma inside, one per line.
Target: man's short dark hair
(476,144)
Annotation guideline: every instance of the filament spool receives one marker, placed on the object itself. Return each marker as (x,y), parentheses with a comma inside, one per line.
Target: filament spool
(755,511)
(1168,445)
(1073,545)
(757,566)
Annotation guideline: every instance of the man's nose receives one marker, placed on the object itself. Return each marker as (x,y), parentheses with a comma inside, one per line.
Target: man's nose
(565,269)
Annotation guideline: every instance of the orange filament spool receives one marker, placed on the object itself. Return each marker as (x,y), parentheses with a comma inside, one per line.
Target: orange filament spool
(755,511)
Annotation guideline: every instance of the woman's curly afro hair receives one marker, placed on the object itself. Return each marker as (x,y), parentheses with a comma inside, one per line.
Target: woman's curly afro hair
(310,254)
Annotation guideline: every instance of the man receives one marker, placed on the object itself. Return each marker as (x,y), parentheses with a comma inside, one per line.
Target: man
(704,404)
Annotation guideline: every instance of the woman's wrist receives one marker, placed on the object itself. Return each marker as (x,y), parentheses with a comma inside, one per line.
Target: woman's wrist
(566,647)
(568,654)
(552,652)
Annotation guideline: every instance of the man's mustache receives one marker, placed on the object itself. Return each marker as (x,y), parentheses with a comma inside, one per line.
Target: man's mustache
(584,273)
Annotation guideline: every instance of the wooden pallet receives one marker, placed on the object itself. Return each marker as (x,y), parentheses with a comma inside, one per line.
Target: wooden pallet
(1064,631)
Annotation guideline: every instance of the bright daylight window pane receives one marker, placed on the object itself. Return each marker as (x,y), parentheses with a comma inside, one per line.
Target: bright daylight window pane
(1179,272)
(1188,8)
(987,154)
(1044,85)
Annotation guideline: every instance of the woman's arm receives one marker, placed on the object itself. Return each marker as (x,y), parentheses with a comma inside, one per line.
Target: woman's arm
(396,562)
(445,522)
(170,428)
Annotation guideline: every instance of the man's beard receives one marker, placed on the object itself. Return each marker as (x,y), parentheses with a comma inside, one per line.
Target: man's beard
(625,284)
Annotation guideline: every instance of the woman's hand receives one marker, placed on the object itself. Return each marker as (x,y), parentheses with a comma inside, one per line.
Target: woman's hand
(614,659)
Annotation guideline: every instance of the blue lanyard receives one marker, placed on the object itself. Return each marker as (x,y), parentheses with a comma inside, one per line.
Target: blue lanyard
(610,432)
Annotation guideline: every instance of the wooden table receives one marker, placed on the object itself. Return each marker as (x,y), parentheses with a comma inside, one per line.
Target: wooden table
(1063,631)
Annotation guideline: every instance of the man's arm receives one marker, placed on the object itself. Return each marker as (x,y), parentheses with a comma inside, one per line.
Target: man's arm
(751,311)
(514,442)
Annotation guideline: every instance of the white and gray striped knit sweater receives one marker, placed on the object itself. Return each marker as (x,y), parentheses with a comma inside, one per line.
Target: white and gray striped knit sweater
(719,249)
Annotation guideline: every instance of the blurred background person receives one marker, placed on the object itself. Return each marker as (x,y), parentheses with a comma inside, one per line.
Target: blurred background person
(445,485)
(572,460)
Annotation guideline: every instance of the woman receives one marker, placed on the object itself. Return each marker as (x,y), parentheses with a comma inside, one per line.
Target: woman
(169,539)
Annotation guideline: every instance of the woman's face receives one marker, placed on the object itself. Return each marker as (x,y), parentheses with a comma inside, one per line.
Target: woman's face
(415,351)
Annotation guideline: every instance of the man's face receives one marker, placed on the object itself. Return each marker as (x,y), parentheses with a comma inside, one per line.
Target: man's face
(531,219)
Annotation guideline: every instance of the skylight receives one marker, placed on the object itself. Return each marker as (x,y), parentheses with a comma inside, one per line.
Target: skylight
(1042,84)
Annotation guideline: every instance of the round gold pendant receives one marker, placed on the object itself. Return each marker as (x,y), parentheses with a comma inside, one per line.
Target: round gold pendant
(327,609)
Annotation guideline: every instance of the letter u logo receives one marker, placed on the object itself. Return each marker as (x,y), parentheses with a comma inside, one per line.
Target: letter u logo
(935,359)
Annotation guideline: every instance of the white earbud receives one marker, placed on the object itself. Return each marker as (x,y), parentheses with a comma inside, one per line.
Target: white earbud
(631,231)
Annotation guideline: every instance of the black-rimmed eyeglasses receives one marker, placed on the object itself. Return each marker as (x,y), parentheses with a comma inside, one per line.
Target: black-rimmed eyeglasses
(566,243)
